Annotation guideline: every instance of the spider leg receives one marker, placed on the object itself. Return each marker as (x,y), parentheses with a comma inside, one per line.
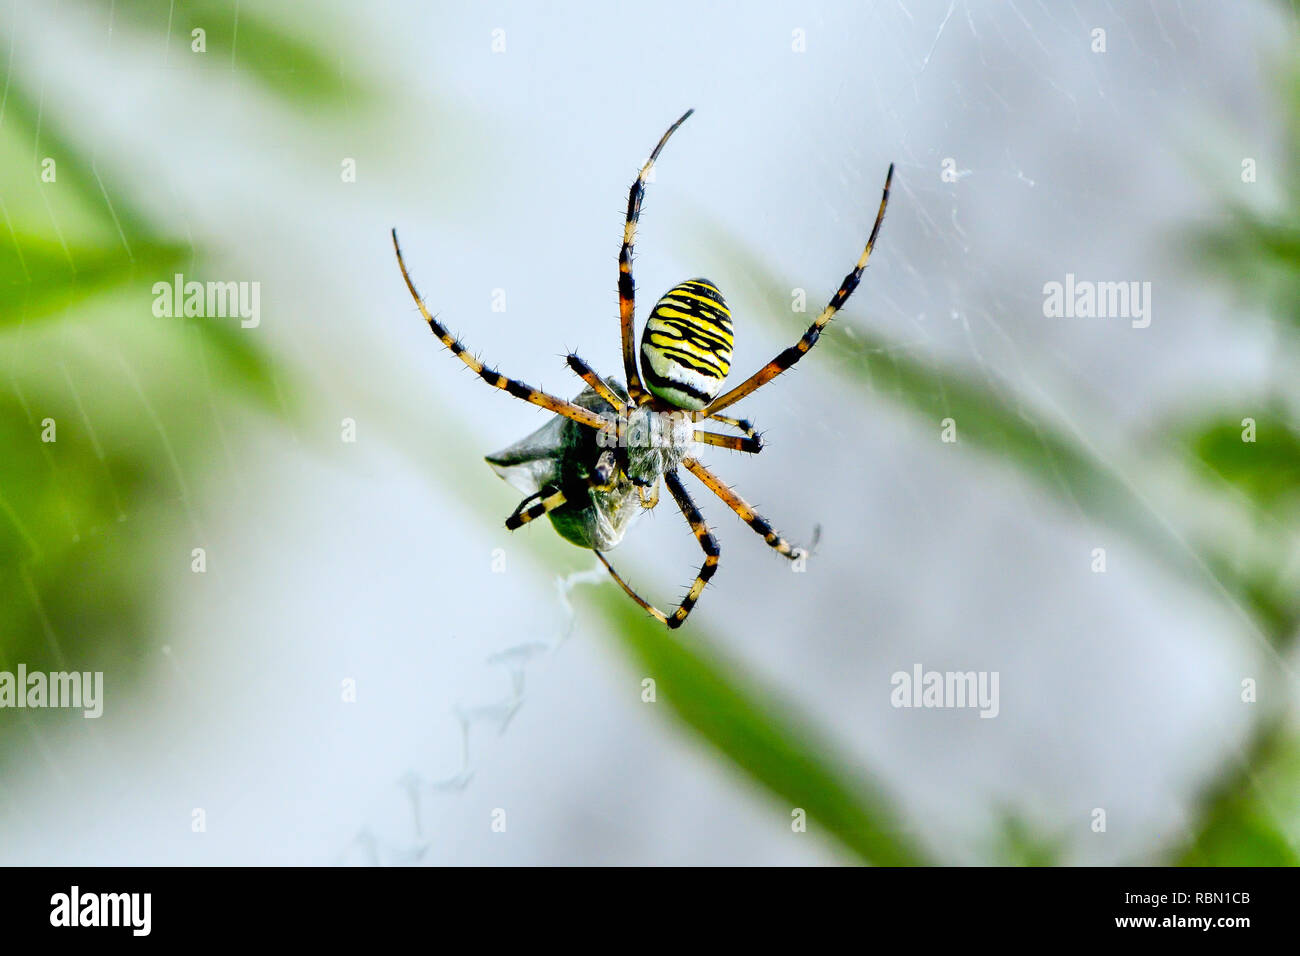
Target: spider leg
(626,287)
(753,445)
(601,478)
(801,348)
(522,515)
(653,611)
(588,375)
(743,509)
(619,456)
(742,424)
(518,389)
(708,544)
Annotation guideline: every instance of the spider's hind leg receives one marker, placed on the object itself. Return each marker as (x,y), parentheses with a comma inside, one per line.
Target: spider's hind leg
(708,544)
(653,611)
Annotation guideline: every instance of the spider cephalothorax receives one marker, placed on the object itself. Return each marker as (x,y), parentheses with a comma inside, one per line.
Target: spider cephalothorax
(598,463)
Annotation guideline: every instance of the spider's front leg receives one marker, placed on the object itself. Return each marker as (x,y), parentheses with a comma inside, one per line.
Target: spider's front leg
(598,385)
(611,462)
(626,286)
(602,478)
(492,377)
(801,348)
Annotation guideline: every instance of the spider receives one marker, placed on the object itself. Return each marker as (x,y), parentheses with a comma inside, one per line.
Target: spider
(598,462)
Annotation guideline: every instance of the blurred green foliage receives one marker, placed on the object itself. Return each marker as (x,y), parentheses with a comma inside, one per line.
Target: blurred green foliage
(1256,250)
(86,522)
(91,520)
(1017,843)
(277,45)
(1251,817)
(1266,470)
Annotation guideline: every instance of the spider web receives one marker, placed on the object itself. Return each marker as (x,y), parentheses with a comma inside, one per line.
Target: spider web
(1065,160)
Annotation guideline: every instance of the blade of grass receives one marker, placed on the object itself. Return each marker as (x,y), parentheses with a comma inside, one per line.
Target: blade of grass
(746,724)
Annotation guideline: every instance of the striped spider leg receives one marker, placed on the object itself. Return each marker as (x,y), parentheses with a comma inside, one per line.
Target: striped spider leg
(744,425)
(743,509)
(708,544)
(598,385)
(601,388)
(801,348)
(524,513)
(626,287)
(518,389)
(750,442)
(550,498)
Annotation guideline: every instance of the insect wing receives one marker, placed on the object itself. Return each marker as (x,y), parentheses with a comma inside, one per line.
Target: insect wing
(532,462)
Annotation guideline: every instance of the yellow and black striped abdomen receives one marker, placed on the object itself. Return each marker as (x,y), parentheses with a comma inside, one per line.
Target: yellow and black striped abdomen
(686,346)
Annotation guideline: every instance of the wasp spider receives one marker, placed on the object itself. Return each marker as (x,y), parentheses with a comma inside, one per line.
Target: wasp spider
(598,463)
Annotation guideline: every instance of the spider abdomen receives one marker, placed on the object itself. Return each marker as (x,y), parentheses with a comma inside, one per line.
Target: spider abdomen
(686,345)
